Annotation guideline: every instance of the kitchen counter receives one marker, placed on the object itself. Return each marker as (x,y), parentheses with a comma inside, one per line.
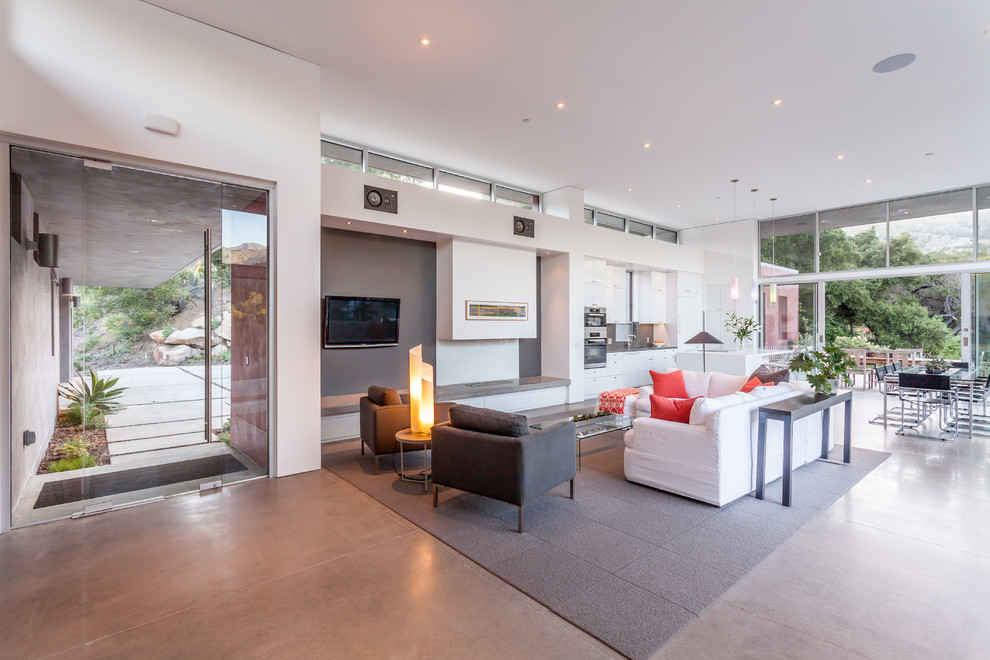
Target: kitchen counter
(621,348)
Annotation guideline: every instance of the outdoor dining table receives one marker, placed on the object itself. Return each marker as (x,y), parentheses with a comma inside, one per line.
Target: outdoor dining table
(960,378)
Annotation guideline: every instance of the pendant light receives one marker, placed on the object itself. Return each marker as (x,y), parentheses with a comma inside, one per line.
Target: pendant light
(734,283)
(773,249)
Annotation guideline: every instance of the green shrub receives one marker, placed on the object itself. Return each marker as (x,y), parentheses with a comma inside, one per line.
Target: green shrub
(215,323)
(222,356)
(224,435)
(75,447)
(167,330)
(92,341)
(131,313)
(67,464)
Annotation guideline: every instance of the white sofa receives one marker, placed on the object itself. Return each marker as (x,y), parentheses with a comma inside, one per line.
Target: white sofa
(713,458)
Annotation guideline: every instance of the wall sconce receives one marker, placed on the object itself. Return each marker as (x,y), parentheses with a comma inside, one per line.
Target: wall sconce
(420,392)
(76,301)
(66,286)
(47,250)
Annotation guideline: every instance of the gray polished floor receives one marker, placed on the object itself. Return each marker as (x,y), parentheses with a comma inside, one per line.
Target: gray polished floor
(307,566)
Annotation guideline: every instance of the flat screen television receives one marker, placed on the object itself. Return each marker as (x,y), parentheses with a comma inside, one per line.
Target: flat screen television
(353,321)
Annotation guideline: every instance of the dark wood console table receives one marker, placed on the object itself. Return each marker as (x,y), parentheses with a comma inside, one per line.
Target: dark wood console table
(789,411)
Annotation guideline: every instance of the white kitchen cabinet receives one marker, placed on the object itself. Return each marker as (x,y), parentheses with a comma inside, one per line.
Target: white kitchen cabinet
(595,271)
(594,295)
(616,305)
(688,284)
(650,297)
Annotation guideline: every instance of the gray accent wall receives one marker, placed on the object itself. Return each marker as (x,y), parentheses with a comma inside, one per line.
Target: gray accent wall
(530,350)
(358,264)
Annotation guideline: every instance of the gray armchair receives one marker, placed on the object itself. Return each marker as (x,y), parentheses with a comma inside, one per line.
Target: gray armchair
(383,413)
(492,453)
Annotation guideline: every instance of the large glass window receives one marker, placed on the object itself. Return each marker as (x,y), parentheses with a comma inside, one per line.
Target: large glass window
(896,312)
(853,238)
(640,228)
(789,243)
(665,235)
(932,229)
(983,220)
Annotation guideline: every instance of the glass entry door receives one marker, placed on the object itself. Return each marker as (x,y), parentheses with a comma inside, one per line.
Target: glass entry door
(138,335)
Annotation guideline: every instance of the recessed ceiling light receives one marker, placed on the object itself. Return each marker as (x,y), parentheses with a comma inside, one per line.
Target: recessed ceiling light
(152,220)
(777,101)
(678,206)
(424,41)
(647,145)
(526,120)
(840,157)
(893,63)
(560,105)
(716,218)
(348,222)
(405,231)
(930,153)
(628,189)
(134,251)
(869,180)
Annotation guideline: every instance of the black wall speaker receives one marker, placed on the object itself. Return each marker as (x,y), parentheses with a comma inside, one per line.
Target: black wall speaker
(380,199)
(523,226)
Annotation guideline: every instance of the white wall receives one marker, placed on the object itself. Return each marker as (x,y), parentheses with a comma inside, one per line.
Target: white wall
(488,273)
(562,240)
(85,74)
(478,360)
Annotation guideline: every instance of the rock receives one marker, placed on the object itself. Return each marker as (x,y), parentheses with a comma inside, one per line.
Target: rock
(190,336)
(224,328)
(218,349)
(158,336)
(170,356)
(199,322)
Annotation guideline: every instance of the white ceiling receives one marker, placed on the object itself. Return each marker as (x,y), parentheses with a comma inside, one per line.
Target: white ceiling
(695,79)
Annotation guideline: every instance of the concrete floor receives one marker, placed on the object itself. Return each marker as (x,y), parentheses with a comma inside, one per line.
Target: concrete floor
(307,566)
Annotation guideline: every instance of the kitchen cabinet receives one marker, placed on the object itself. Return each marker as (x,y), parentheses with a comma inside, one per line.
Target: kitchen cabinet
(689,284)
(616,305)
(649,297)
(595,271)
(627,369)
(689,317)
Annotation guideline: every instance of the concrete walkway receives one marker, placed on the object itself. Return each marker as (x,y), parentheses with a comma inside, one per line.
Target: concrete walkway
(164,408)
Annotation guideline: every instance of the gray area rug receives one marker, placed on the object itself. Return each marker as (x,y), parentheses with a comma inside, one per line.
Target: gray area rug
(629,564)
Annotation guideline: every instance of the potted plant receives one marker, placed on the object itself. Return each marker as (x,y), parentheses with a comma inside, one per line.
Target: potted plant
(741,327)
(824,368)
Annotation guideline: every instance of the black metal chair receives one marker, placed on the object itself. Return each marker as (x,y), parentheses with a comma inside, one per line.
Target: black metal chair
(926,394)
(887,388)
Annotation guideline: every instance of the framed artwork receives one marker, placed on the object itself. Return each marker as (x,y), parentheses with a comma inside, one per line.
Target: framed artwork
(477,310)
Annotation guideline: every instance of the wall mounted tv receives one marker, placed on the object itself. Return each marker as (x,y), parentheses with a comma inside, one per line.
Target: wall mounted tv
(358,322)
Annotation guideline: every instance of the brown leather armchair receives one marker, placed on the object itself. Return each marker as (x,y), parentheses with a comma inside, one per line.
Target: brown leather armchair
(383,413)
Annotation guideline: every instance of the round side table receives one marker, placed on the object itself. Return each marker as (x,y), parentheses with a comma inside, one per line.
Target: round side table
(419,441)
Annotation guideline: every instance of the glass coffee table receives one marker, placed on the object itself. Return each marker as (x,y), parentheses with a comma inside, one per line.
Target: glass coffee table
(589,428)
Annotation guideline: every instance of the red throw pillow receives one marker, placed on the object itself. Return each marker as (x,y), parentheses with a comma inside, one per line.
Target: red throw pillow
(751,384)
(669,385)
(672,410)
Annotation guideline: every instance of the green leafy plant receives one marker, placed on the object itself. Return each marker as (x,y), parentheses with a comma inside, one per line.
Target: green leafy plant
(66,464)
(224,434)
(222,356)
(215,322)
(167,330)
(824,366)
(741,327)
(90,401)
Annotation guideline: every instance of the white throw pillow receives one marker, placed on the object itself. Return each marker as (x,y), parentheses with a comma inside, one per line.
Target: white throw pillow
(722,384)
(765,391)
(696,383)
